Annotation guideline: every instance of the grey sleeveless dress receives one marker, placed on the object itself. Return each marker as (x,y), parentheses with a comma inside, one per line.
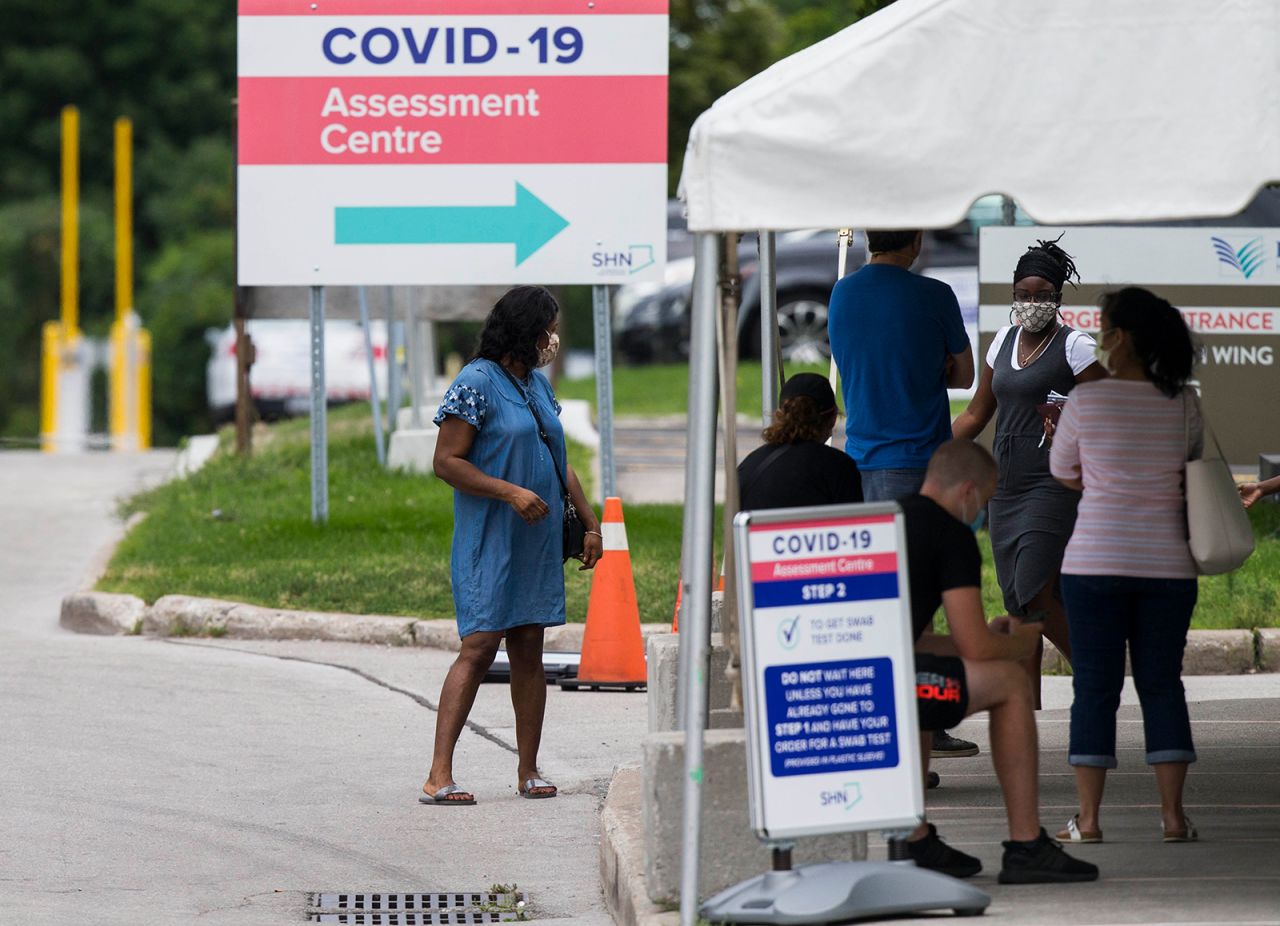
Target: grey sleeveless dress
(1032,515)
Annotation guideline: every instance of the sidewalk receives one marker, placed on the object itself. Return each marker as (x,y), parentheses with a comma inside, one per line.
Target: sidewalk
(1233,794)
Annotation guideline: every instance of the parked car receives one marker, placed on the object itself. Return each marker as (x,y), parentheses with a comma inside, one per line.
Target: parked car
(652,320)
(280,378)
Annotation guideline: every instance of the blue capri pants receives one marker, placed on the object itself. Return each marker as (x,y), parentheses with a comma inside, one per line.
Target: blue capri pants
(1151,617)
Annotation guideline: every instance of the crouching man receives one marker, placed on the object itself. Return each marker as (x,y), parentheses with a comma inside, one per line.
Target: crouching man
(977,668)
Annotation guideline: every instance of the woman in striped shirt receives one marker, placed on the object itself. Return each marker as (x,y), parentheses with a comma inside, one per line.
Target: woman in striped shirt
(1128,577)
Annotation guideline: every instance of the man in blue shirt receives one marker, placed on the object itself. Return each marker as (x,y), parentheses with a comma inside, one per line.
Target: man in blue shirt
(899,341)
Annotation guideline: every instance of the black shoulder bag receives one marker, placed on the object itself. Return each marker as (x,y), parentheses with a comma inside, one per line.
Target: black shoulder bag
(575,532)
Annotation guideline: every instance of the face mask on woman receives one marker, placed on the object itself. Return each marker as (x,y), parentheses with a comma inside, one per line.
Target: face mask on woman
(548,353)
(1035,316)
(1103,354)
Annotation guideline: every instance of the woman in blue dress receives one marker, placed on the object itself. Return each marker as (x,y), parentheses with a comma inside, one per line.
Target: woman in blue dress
(508,511)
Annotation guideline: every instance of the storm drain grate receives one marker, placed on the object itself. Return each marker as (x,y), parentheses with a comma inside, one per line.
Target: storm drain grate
(426,918)
(415,909)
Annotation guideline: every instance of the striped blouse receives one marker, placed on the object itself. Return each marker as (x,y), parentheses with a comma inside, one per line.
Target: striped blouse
(1127,442)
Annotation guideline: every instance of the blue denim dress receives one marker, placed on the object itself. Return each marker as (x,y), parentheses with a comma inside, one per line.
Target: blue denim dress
(505,572)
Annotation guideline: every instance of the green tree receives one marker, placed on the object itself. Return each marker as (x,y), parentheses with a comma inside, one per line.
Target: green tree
(169,65)
(809,22)
(715,45)
(30,244)
(189,288)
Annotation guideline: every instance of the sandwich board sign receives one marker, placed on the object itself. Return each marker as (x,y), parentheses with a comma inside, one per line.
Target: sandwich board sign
(829,690)
(464,142)
(828,671)
(1224,279)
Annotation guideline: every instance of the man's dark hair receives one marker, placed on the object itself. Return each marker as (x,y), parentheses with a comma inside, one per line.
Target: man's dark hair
(1158,332)
(515,323)
(882,242)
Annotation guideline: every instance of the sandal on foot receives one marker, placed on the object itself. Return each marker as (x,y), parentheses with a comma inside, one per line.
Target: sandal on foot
(1073,833)
(529,785)
(1188,832)
(444,795)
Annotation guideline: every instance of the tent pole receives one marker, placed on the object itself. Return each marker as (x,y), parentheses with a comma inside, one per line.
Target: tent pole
(843,239)
(727,334)
(770,368)
(697,555)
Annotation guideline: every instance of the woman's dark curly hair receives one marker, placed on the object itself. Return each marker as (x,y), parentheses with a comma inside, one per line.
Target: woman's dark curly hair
(1161,339)
(796,419)
(516,322)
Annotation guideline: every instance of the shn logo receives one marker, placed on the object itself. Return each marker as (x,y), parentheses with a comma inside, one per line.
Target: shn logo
(1238,255)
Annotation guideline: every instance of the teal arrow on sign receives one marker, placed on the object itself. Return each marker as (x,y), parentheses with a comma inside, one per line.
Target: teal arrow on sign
(529,224)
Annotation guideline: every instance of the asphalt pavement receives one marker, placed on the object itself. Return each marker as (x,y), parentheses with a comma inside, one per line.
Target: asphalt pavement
(177,780)
(171,781)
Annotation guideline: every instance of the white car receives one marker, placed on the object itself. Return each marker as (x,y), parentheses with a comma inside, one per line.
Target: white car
(280,378)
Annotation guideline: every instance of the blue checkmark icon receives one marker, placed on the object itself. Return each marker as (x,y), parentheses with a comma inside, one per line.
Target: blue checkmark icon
(789,633)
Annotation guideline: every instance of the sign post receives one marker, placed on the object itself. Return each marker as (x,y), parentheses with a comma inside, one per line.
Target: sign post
(833,743)
(601,309)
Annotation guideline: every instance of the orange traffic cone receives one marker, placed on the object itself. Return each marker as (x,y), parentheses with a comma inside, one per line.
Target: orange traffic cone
(612,647)
(675,616)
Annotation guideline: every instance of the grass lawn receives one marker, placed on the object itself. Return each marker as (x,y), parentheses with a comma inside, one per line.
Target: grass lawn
(240,530)
(1244,599)
(663,388)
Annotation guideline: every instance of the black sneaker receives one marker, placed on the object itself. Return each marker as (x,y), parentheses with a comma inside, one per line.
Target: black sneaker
(946,746)
(934,854)
(1042,862)
(932,781)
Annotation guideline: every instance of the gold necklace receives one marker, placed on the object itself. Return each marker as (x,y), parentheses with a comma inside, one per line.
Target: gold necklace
(1024,363)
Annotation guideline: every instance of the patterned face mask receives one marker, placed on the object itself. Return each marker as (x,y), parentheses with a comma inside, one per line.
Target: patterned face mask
(548,353)
(1035,316)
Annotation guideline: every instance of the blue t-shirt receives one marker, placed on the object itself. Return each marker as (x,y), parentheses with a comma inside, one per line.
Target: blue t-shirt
(891,332)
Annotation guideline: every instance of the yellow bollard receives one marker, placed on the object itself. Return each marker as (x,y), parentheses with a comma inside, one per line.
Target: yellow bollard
(50,363)
(118,388)
(143,388)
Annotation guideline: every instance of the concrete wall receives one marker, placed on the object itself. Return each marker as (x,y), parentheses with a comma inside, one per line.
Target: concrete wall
(663,654)
(730,852)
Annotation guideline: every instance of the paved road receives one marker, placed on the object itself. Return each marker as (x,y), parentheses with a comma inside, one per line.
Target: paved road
(160,781)
(650,454)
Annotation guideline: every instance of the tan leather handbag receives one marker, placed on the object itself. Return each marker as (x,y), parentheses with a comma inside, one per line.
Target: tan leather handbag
(1218,529)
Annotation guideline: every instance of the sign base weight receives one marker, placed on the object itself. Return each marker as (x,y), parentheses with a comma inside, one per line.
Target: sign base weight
(834,892)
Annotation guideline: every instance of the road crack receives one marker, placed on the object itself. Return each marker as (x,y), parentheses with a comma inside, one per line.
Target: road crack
(418,699)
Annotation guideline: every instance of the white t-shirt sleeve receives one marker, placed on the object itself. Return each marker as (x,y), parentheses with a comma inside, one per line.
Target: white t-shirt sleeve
(1080,351)
(994,350)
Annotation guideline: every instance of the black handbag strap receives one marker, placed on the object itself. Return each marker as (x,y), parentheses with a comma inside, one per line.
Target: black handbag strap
(542,432)
(764,465)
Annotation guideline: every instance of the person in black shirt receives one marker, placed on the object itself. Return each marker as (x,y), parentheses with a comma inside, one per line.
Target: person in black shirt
(976,668)
(795,467)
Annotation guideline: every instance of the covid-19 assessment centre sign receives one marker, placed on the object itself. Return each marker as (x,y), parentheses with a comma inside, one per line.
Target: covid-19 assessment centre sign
(451,141)
(828,671)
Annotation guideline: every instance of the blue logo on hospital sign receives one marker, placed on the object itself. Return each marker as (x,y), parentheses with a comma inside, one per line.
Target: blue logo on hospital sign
(1238,255)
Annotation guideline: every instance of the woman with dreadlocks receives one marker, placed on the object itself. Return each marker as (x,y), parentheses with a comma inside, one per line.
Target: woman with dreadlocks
(1031,515)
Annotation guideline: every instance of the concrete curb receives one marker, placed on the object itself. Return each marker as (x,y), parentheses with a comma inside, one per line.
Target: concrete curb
(102,613)
(622,854)
(105,613)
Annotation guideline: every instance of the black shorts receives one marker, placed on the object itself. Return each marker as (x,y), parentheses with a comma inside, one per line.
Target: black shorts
(942,695)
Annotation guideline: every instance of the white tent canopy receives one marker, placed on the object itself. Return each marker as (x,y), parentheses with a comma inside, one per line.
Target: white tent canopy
(1082,111)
